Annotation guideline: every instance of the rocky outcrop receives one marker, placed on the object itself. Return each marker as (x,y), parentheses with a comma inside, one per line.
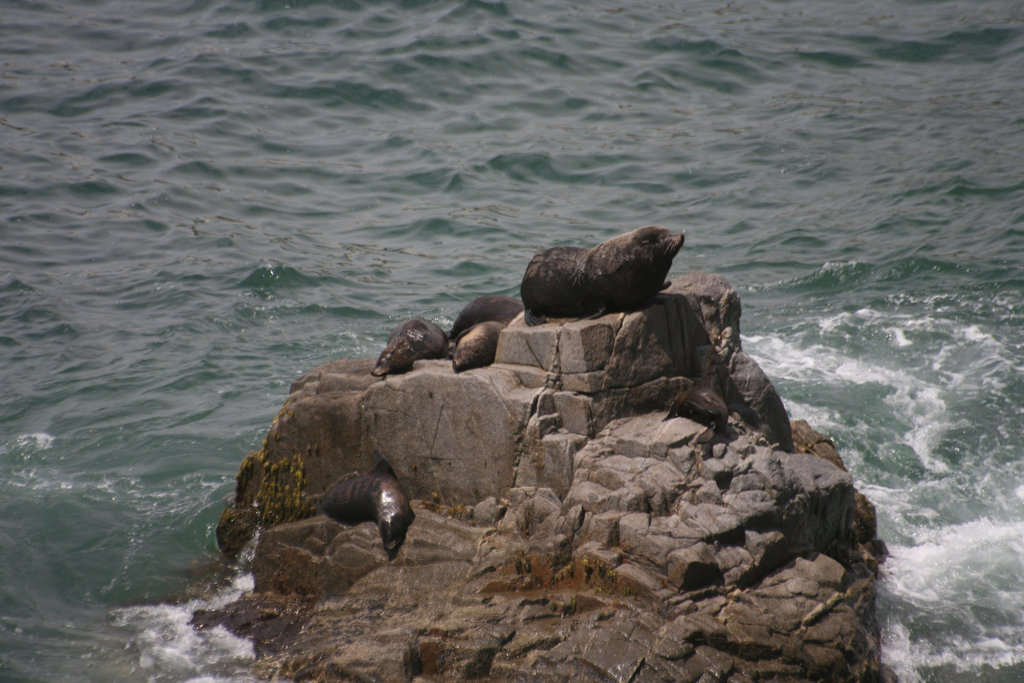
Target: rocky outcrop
(564,528)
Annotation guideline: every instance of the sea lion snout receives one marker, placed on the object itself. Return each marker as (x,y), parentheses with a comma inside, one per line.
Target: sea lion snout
(677,243)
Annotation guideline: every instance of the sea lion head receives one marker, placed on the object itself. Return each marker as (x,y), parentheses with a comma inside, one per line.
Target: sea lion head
(412,340)
(393,518)
(702,405)
(631,268)
(383,365)
(394,515)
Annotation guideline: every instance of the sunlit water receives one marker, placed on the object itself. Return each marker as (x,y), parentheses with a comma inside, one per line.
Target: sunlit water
(198,202)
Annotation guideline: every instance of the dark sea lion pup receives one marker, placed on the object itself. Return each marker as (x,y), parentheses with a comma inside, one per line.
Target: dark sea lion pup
(702,405)
(482,309)
(413,340)
(374,497)
(700,402)
(477,346)
(621,274)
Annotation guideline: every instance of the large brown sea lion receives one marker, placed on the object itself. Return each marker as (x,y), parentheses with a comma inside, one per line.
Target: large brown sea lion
(482,309)
(373,497)
(413,340)
(621,274)
(476,347)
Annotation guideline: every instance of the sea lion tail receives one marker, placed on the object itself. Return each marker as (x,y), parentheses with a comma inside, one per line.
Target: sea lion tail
(381,464)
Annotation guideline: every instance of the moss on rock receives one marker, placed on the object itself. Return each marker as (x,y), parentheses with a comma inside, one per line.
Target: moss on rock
(268,491)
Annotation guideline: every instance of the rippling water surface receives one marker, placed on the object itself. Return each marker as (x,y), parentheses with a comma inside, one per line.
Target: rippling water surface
(199,201)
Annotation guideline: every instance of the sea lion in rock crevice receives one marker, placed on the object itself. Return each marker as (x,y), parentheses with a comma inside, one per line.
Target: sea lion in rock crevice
(621,274)
(502,309)
(413,340)
(477,346)
(700,402)
(373,497)
(703,405)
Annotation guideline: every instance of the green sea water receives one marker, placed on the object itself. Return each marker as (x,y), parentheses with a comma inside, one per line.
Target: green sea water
(199,201)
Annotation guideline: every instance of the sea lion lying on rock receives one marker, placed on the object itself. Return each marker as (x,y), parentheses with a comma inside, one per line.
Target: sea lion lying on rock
(702,405)
(413,340)
(477,346)
(373,497)
(502,309)
(621,274)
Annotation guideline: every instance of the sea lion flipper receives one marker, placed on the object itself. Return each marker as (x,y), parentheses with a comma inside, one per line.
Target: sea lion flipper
(533,319)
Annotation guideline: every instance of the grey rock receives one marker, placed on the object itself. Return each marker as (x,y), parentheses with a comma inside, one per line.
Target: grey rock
(487,512)
(564,528)
(693,567)
(460,444)
(753,395)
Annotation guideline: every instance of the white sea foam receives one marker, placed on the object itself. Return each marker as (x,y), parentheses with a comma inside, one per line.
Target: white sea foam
(907,657)
(917,401)
(945,561)
(169,648)
(899,337)
(957,573)
(39,441)
(951,587)
(923,405)
(28,443)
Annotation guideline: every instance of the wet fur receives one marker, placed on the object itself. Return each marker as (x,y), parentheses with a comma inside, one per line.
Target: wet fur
(413,340)
(373,497)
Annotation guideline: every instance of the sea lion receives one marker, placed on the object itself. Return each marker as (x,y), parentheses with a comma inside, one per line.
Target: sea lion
(703,405)
(482,309)
(476,347)
(621,274)
(413,340)
(700,402)
(373,497)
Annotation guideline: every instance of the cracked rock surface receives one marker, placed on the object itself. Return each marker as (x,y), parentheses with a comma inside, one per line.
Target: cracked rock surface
(564,528)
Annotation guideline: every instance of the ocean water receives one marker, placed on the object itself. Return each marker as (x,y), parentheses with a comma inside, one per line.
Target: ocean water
(201,200)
